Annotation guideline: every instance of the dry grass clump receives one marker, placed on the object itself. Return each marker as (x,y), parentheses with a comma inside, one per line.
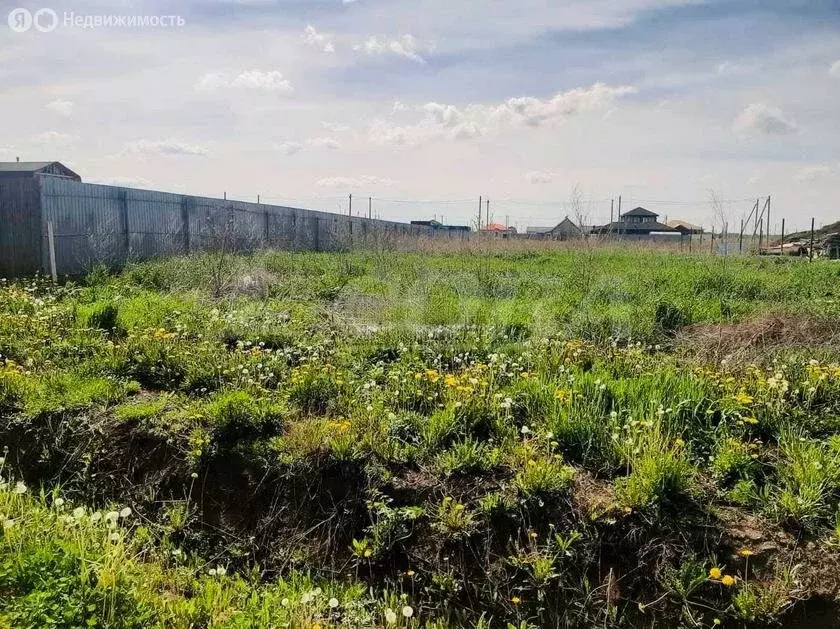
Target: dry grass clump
(743,341)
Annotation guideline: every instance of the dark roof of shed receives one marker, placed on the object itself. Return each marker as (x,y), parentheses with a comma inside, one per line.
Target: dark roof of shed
(620,227)
(640,211)
(23,167)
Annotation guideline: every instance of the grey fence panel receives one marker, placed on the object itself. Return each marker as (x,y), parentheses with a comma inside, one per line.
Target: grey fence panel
(88,224)
(20,227)
(111,225)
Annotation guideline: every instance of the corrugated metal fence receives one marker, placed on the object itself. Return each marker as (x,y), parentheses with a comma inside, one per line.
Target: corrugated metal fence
(95,224)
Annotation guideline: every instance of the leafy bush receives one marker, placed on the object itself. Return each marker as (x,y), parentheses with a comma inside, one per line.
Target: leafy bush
(669,318)
(542,478)
(236,415)
(659,472)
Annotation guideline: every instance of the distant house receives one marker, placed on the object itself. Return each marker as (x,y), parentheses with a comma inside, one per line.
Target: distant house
(498,229)
(564,230)
(21,170)
(537,231)
(636,222)
(684,227)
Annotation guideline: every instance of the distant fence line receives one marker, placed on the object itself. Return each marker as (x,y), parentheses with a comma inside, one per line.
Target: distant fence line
(95,224)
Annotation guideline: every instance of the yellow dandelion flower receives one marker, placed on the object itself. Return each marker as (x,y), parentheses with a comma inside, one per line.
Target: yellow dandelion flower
(516,600)
(745,552)
(728,580)
(715,573)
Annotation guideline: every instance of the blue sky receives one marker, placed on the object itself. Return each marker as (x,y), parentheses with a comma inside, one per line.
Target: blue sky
(307,101)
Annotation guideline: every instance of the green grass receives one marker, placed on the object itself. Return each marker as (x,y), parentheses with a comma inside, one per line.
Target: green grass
(482,440)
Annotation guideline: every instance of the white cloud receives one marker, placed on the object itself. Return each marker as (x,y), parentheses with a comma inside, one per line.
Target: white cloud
(165,147)
(353,183)
(325,143)
(321,41)
(335,127)
(834,70)
(54,138)
(405,46)
(61,107)
(730,68)
(474,120)
(289,147)
(817,173)
(762,119)
(269,81)
(539,177)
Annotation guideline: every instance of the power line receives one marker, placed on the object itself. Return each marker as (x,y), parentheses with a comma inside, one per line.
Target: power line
(705,201)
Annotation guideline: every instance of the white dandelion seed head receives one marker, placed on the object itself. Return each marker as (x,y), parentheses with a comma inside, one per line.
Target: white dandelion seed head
(407,611)
(390,617)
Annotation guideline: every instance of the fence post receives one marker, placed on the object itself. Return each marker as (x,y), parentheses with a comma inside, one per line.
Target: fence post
(185,224)
(51,243)
(126,233)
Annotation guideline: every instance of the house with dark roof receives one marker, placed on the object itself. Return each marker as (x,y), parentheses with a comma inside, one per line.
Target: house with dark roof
(22,170)
(684,227)
(564,230)
(636,222)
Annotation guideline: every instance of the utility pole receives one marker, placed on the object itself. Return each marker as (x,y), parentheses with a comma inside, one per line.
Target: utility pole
(619,213)
(258,199)
(225,196)
(480,207)
(768,220)
(350,207)
(487,213)
(370,207)
(760,235)
(741,238)
(782,242)
(612,209)
(811,249)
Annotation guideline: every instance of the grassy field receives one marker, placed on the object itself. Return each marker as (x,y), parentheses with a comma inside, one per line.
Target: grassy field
(535,439)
